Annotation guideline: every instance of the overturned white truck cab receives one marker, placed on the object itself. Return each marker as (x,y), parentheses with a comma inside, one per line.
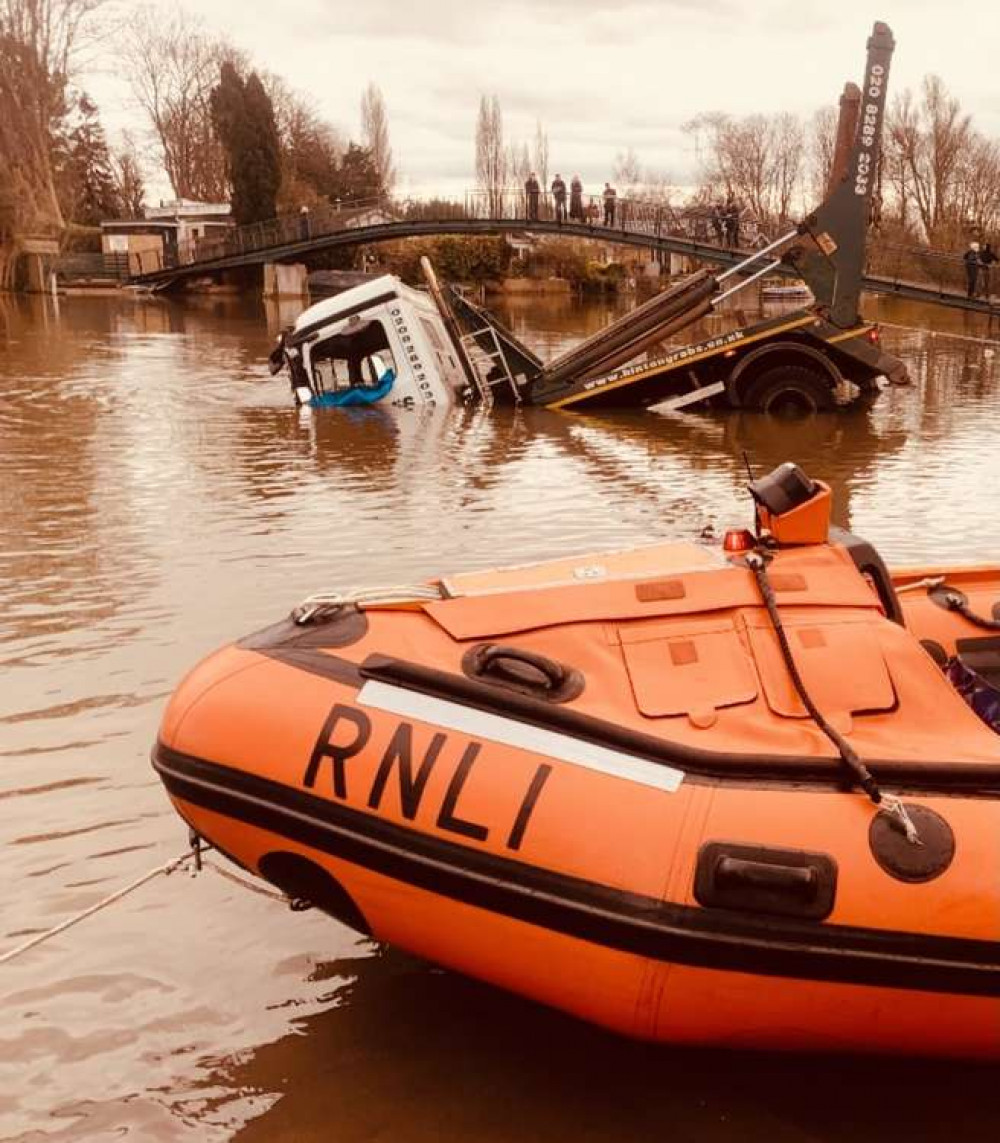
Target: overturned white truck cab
(381,342)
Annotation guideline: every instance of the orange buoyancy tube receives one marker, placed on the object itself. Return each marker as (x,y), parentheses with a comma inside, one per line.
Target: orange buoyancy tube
(606,795)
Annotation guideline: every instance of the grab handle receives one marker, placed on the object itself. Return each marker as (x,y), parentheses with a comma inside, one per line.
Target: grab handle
(758,879)
(522,670)
(737,873)
(498,659)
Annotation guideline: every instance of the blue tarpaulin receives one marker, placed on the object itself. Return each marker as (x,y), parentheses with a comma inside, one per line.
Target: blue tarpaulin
(352,397)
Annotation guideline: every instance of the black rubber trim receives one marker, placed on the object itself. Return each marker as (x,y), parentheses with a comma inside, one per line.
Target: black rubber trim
(334,629)
(867,560)
(316,663)
(936,651)
(930,777)
(303,334)
(627,922)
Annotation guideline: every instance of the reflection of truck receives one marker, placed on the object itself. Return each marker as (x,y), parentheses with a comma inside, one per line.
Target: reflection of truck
(813,359)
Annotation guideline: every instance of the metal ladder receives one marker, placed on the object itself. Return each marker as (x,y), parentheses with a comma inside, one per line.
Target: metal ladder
(484,360)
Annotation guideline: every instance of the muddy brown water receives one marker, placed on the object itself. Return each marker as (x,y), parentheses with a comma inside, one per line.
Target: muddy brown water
(159,496)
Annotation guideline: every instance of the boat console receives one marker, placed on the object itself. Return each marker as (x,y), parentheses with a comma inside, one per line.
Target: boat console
(792,509)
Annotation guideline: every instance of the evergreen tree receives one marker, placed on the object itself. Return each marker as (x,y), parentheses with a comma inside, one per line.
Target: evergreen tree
(357,177)
(243,117)
(85,174)
(264,158)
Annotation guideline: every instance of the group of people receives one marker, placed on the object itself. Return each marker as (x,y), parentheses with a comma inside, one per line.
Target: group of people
(978,262)
(725,219)
(568,202)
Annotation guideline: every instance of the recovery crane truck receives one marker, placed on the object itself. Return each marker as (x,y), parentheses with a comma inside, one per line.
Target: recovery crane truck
(812,359)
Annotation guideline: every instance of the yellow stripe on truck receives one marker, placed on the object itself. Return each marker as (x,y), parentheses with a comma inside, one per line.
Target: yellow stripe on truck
(654,369)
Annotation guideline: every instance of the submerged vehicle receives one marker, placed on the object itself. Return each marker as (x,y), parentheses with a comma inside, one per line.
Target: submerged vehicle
(746,795)
(381,341)
(445,349)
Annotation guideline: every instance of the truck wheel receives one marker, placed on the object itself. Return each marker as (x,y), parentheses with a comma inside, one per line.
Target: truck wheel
(790,390)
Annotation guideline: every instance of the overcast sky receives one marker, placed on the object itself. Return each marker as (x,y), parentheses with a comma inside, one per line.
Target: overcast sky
(601,76)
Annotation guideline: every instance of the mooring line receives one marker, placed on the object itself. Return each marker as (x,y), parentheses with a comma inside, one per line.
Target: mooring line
(40,938)
(194,854)
(237,880)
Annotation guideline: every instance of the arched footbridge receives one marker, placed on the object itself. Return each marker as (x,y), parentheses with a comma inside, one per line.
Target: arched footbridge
(914,273)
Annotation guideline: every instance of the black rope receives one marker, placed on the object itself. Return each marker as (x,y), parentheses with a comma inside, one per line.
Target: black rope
(757,563)
(954,602)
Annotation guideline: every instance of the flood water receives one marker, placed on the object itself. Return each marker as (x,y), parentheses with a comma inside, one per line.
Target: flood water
(160,496)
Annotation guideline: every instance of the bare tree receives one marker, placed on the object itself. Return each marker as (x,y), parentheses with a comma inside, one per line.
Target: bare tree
(541,154)
(519,163)
(311,148)
(38,41)
(927,144)
(375,133)
(822,146)
(657,186)
(627,169)
(787,147)
(976,195)
(127,171)
(172,66)
(709,131)
(491,156)
(757,159)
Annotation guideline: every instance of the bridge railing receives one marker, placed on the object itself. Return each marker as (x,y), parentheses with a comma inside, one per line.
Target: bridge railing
(943,270)
(630,214)
(655,217)
(287,229)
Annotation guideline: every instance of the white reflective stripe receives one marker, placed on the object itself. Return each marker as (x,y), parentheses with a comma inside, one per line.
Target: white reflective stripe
(690,398)
(496,728)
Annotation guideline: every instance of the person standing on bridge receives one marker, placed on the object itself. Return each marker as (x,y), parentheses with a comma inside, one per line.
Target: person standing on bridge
(559,197)
(732,220)
(973,263)
(718,218)
(987,257)
(532,189)
(576,199)
(610,197)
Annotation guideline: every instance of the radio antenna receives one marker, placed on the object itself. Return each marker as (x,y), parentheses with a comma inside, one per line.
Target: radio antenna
(756,506)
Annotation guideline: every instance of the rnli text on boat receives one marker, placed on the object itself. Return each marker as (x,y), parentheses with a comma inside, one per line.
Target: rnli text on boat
(398,756)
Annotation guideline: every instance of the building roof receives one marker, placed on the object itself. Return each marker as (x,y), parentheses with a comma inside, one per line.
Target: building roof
(139,224)
(188,208)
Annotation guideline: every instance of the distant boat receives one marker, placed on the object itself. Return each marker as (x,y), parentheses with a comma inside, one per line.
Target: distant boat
(328,283)
(783,289)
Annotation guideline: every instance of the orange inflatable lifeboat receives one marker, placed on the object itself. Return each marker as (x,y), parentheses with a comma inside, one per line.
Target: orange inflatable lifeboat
(747,796)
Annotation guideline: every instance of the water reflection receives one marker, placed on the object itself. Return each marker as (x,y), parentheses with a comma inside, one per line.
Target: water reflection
(407,1052)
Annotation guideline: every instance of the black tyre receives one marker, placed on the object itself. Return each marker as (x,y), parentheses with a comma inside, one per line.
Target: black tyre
(790,391)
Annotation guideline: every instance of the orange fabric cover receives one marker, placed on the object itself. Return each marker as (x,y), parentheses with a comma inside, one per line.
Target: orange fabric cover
(678,668)
(839,658)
